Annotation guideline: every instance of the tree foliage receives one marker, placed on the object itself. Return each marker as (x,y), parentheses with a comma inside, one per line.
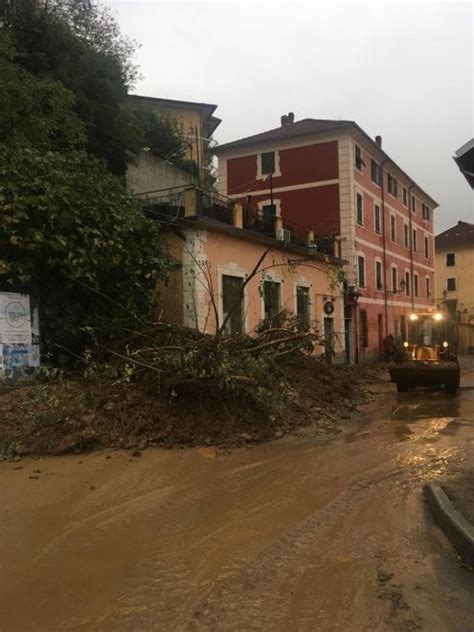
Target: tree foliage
(162,135)
(37,111)
(71,235)
(79,45)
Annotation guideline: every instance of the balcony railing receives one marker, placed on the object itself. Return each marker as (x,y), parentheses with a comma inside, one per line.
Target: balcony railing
(163,204)
(168,205)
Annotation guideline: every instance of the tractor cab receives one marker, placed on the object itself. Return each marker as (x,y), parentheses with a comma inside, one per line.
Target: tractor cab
(429,354)
(430,338)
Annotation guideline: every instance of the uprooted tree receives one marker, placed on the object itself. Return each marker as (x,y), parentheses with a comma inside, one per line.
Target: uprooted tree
(188,364)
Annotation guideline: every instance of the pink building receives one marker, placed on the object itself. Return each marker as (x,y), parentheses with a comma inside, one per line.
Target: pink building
(219,260)
(331,177)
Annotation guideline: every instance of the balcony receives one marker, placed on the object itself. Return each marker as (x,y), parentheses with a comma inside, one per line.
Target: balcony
(177,204)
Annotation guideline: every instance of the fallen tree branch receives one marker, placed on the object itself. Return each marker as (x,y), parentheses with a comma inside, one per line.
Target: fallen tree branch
(273,343)
(134,361)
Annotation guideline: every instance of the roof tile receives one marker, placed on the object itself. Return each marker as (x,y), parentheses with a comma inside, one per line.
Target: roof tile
(459,235)
(300,128)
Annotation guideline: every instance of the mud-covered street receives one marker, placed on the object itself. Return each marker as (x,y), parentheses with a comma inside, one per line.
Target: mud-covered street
(298,534)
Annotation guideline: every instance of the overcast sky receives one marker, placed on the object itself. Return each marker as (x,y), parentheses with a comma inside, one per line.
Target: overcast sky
(404,71)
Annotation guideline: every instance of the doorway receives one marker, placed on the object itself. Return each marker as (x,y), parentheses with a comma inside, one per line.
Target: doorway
(380,331)
(328,339)
(348,333)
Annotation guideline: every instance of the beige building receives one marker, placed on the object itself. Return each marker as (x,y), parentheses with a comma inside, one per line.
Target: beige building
(197,122)
(455,278)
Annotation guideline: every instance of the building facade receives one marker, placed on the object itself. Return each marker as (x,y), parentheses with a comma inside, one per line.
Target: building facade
(331,177)
(215,260)
(455,279)
(197,123)
(464,158)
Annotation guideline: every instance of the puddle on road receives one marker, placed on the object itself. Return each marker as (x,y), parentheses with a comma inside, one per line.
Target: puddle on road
(433,463)
(426,407)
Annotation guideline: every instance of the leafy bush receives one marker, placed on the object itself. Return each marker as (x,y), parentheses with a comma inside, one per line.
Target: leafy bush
(71,236)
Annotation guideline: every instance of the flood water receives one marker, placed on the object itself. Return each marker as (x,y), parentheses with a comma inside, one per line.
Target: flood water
(311,535)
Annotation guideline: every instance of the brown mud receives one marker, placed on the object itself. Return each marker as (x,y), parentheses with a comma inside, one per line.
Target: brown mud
(299,534)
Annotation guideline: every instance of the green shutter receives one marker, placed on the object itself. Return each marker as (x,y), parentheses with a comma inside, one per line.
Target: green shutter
(268,162)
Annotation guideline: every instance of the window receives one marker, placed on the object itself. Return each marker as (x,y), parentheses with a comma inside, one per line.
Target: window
(425,212)
(428,287)
(392,185)
(415,285)
(269,213)
(393,228)
(364,329)
(376,172)
(451,284)
(407,283)
(378,275)
(231,293)
(413,204)
(377,220)
(406,235)
(267,162)
(427,247)
(271,298)
(359,163)
(451,259)
(360,209)
(394,280)
(405,197)
(414,240)
(361,270)
(302,305)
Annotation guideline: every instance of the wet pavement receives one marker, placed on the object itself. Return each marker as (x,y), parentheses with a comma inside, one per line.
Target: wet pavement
(297,534)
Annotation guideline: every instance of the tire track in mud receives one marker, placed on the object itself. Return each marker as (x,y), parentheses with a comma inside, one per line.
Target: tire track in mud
(166,591)
(231,603)
(162,595)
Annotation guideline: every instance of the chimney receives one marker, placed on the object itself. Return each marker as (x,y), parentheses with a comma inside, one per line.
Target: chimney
(378,141)
(291,118)
(284,120)
(237,215)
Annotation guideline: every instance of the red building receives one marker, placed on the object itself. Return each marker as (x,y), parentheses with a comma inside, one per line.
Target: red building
(331,177)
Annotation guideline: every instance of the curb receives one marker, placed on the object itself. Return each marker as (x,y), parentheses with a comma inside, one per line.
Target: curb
(458,530)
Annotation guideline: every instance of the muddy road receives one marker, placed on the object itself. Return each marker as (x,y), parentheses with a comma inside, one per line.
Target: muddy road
(298,534)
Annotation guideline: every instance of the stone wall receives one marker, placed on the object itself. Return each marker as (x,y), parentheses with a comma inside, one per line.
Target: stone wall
(150,173)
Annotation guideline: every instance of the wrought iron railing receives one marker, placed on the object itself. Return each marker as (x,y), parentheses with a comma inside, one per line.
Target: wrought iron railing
(169,204)
(215,206)
(163,204)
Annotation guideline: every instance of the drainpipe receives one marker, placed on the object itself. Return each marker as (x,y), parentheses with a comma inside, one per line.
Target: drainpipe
(356,332)
(410,241)
(384,255)
(271,190)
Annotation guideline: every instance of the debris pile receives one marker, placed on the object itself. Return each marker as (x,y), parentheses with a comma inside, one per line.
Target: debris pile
(175,387)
